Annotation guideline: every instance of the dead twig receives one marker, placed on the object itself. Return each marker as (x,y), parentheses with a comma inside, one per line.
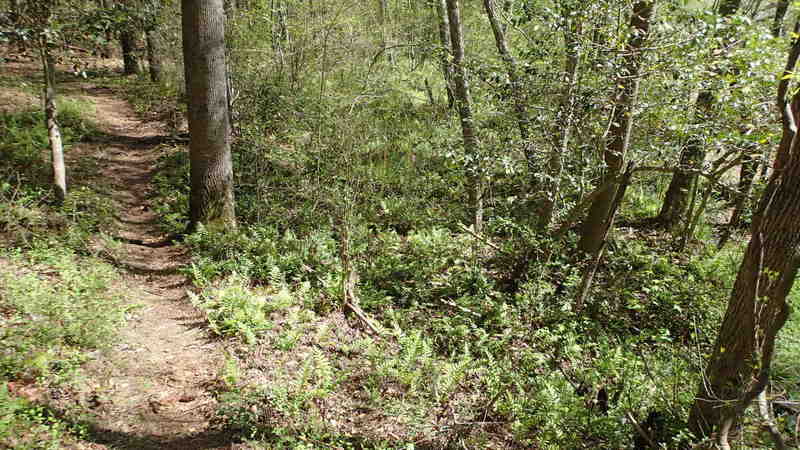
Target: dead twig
(641,431)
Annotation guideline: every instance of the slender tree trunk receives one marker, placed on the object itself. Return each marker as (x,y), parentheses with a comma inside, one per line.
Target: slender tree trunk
(780,12)
(53,130)
(474,166)
(211,200)
(444,38)
(747,173)
(564,119)
(520,109)
(512,70)
(593,229)
(130,54)
(154,56)
(692,157)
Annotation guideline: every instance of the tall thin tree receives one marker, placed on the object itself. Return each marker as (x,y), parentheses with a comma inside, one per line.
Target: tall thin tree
(474,167)
(594,226)
(676,200)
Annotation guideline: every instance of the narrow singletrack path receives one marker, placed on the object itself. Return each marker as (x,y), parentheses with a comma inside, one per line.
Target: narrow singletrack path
(154,388)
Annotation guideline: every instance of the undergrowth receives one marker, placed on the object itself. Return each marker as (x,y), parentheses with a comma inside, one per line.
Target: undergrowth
(58,303)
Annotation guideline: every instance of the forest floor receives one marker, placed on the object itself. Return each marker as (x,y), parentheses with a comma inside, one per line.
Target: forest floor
(155,387)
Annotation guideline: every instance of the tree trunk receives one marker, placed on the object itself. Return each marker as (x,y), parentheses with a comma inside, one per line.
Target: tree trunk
(154,56)
(53,130)
(130,54)
(747,173)
(780,12)
(738,368)
(692,157)
(474,166)
(593,230)
(517,97)
(564,119)
(676,200)
(444,38)
(211,200)
(518,100)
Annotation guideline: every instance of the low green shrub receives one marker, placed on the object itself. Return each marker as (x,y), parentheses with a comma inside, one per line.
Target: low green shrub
(53,308)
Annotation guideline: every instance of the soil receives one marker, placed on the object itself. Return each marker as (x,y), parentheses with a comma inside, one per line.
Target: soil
(155,388)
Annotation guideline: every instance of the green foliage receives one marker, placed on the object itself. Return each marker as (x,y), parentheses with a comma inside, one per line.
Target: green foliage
(26,426)
(54,307)
(26,212)
(232,309)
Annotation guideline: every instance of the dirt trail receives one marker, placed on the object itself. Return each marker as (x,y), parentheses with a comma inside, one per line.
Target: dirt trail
(153,389)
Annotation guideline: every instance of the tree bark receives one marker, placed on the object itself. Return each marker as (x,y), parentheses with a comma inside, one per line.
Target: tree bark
(211,200)
(593,230)
(444,38)
(474,166)
(564,119)
(738,368)
(130,54)
(692,157)
(512,71)
(154,56)
(53,130)
(780,12)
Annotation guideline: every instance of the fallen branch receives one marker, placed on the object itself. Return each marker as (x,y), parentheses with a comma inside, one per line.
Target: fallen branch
(641,431)
(477,236)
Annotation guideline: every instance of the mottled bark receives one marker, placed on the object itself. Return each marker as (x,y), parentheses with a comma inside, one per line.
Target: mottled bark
(676,200)
(53,130)
(211,199)
(593,228)
(474,167)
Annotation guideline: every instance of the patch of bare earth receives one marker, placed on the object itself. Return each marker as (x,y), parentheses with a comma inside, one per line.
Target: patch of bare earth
(154,390)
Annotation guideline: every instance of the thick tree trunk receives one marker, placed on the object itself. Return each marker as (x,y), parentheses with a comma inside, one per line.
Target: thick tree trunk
(53,130)
(444,38)
(738,368)
(211,200)
(474,166)
(130,53)
(676,200)
(154,56)
(594,227)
